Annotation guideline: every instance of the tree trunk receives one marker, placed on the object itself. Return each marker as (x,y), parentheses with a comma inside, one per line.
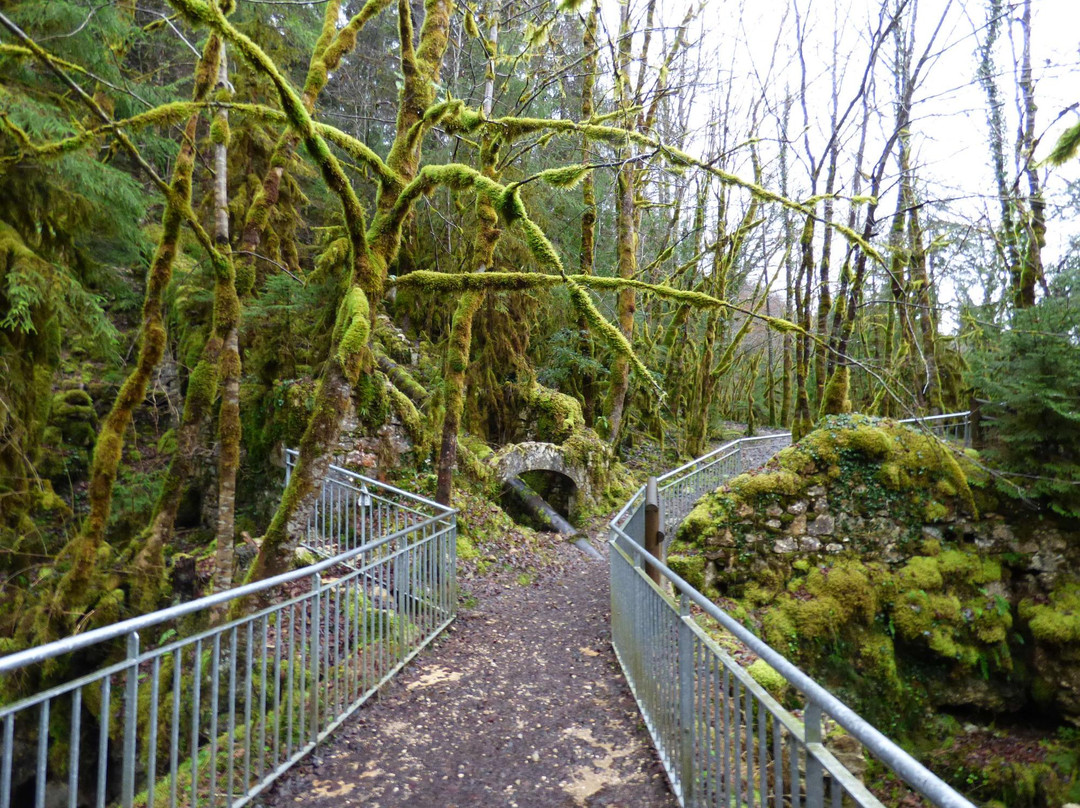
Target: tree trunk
(588,215)
(457,352)
(227,317)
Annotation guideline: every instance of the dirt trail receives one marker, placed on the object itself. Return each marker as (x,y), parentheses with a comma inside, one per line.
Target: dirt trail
(520,704)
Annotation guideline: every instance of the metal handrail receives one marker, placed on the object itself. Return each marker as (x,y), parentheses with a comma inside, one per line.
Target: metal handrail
(216,712)
(910,770)
(78,642)
(698,721)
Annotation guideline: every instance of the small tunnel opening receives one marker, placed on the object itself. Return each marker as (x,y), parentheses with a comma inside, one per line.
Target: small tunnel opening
(555,488)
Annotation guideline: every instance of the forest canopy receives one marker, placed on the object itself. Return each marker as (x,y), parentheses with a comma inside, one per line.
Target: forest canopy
(233,226)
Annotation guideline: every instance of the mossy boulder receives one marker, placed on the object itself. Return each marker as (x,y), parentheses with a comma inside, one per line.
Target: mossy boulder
(549,415)
(859,552)
(68,437)
(855,483)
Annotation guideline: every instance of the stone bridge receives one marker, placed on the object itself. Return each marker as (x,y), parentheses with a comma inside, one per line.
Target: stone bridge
(585,460)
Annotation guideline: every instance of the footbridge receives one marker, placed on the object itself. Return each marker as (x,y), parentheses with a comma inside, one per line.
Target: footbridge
(195,706)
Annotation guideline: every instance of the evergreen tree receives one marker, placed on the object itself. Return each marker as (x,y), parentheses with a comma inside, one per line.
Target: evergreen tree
(1031,374)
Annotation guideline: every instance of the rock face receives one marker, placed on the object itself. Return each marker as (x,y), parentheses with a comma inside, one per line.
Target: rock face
(869,552)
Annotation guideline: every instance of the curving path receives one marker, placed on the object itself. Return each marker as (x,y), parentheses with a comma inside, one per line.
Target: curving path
(521,704)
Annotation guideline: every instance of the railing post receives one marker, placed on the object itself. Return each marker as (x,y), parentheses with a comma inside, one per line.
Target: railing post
(316,612)
(401,591)
(815,783)
(653,536)
(131,715)
(686,701)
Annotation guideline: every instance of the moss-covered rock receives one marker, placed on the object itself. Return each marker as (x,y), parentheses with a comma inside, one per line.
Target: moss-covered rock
(859,552)
(769,678)
(550,415)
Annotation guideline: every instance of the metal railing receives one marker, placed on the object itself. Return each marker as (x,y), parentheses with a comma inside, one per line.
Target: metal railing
(682,487)
(350,510)
(954,426)
(722,739)
(172,709)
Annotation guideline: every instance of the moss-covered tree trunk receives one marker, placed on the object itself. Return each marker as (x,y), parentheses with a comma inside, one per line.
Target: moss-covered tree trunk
(487,234)
(330,48)
(586,263)
(227,323)
(371,252)
(626,251)
(786,346)
(803,421)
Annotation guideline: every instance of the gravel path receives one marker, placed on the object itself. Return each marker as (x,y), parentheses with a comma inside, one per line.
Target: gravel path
(520,704)
(758,453)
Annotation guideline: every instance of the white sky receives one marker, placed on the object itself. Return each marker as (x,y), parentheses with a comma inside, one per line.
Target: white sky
(949,126)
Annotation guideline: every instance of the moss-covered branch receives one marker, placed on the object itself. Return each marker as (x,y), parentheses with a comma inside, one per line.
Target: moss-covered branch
(75,592)
(512,128)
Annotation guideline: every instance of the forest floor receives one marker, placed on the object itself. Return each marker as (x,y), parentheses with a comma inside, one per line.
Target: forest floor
(520,703)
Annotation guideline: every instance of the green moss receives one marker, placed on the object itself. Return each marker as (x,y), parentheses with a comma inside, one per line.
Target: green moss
(1057,621)
(752,486)
(913,616)
(869,441)
(920,572)
(466,550)
(834,399)
(816,618)
(945,489)
(931,547)
(691,568)
(167,442)
(890,476)
(796,459)
(769,678)
(991,625)
(848,583)
(965,567)
(877,656)
(557,415)
(935,511)
(351,331)
(219,131)
(777,628)
(758,595)
(823,446)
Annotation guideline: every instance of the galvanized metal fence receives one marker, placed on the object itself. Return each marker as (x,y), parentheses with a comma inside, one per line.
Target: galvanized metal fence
(953,426)
(723,740)
(192,706)
(351,510)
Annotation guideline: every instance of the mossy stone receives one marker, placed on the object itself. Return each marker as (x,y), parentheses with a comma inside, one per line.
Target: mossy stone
(769,678)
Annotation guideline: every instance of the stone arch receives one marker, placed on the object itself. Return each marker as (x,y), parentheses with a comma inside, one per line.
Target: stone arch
(513,461)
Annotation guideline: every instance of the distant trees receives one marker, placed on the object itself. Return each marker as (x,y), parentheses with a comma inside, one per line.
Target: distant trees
(349,166)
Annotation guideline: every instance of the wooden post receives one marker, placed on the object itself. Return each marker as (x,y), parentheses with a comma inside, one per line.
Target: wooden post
(973,437)
(653,536)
